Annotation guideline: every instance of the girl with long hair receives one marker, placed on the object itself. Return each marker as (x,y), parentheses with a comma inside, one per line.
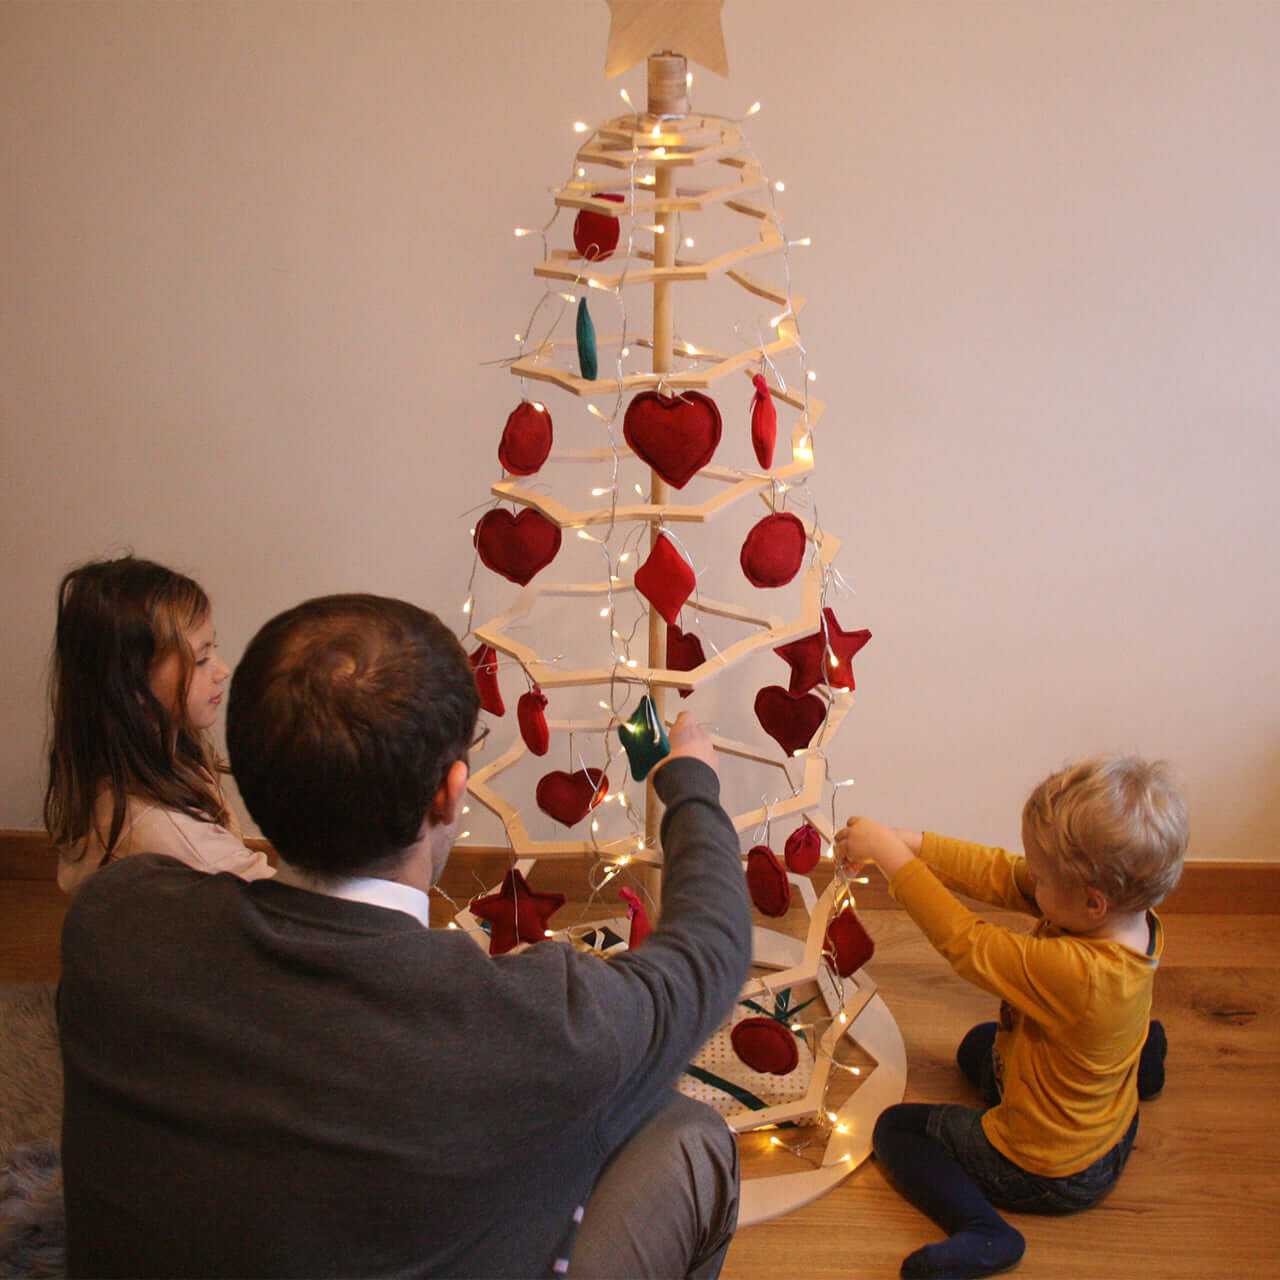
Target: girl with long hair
(136,685)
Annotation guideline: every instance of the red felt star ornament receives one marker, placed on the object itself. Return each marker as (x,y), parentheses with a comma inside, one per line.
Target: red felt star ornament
(515,913)
(825,657)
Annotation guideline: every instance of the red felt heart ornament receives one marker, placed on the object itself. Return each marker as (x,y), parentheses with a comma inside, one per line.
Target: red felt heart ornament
(774,550)
(790,720)
(803,849)
(848,945)
(569,797)
(767,882)
(484,662)
(526,439)
(764,1044)
(530,709)
(675,435)
(764,423)
(517,547)
(595,234)
(684,652)
(665,579)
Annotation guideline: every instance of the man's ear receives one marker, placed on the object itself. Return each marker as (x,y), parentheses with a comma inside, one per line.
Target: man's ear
(448,799)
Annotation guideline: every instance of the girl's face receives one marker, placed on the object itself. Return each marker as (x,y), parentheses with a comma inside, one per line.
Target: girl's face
(208,678)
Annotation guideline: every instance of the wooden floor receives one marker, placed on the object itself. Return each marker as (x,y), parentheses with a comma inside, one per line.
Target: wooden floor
(1200,1199)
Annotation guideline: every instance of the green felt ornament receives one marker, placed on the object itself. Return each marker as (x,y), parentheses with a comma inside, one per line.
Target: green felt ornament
(586,343)
(644,739)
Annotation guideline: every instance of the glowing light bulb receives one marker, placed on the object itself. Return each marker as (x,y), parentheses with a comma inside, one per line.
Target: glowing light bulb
(688,79)
(597,493)
(546,933)
(688,242)
(625,96)
(813,377)
(804,240)
(657,131)
(753,108)
(464,835)
(519,337)
(625,352)
(582,533)
(604,613)
(466,605)
(595,826)
(592,409)
(453,924)
(466,808)
(624,557)
(582,173)
(579,126)
(779,186)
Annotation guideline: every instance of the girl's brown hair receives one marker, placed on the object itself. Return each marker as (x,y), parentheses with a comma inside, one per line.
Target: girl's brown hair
(116,620)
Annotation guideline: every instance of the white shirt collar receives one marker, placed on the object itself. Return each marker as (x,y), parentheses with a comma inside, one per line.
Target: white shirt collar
(390,894)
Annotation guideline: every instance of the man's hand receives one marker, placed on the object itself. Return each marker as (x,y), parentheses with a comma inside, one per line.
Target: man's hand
(689,738)
(863,840)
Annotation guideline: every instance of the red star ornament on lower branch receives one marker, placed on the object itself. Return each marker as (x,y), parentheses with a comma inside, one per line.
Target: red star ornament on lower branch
(825,657)
(515,913)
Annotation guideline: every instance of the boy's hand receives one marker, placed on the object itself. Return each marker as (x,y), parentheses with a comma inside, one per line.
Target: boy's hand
(863,840)
(689,738)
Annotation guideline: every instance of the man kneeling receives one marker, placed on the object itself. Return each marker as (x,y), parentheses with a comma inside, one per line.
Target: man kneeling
(297,1077)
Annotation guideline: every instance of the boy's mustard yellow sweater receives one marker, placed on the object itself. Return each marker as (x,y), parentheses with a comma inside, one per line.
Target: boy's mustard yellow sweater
(1074,1010)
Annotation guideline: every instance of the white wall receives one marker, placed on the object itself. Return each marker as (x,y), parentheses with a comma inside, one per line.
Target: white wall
(255,254)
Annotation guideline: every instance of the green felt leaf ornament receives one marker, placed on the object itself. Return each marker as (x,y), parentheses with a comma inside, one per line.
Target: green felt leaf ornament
(586,343)
(644,739)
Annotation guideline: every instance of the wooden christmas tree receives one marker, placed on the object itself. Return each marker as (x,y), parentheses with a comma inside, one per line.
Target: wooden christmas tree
(654,514)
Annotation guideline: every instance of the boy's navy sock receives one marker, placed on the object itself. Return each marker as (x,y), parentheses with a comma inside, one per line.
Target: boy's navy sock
(980,1242)
(1151,1062)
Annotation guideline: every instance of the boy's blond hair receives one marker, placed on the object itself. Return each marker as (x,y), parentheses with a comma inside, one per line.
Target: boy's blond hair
(1114,823)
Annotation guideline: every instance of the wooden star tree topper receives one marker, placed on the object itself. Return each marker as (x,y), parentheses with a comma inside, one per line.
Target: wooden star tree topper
(638,28)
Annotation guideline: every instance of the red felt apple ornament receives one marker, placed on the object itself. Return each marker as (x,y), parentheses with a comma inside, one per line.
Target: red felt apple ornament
(531,717)
(517,547)
(484,662)
(767,882)
(764,1044)
(764,422)
(847,945)
(569,797)
(665,579)
(675,435)
(526,439)
(789,719)
(803,849)
(774,550)
(595,234)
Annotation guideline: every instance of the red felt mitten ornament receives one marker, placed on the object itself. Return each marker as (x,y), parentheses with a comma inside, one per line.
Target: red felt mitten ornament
(517,547)
(767,882)
(515,913)
(526,439)
(595,234)
(684,652)
(639,917)
(531,717)
(790,720)
(847,944)
(764,422)
(774,550)
(666,579)
(764,1044)
(675,435)
(825,657)
(569,797)
(803,849)
(484,662)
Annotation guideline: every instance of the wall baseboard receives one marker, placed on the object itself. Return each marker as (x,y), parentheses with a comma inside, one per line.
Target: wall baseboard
(1220,888)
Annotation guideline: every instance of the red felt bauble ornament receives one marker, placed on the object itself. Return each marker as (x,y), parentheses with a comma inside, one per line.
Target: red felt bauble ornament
(531,717)
(665,579)
(640,926)
(767,882)
(847,945)
(684,652)
(764,1044)
(515,913)
(484,663)
(517,546)
(569,797)
(595,234)
(526,439)
(774,550)
(825,657)
(789,719)
(803,849)
(764,423)
(675,435)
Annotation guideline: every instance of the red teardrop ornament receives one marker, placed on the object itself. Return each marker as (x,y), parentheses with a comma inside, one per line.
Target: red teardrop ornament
(530,715)
(764,423)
